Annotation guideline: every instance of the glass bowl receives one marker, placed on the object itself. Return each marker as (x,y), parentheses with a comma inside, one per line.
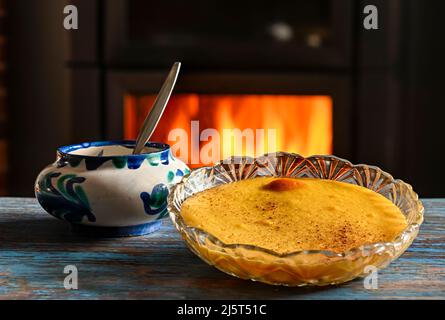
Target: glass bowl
(299,268)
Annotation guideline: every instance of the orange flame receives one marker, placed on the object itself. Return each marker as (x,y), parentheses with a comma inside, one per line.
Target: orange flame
(301,124)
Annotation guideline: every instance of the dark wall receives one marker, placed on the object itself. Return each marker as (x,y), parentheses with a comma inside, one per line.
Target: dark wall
(3,104)
(423,99)
(38,89)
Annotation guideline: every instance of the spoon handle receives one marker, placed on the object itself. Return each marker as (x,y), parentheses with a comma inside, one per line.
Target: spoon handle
(155,114)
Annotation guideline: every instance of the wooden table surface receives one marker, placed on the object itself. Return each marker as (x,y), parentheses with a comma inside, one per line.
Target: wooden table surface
(35,248)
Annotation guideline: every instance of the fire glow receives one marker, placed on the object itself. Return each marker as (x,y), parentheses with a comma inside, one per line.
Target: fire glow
(203,129)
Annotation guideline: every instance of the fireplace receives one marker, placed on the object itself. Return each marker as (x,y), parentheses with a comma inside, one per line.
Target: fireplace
(306,114)
(288,71)
(295,69)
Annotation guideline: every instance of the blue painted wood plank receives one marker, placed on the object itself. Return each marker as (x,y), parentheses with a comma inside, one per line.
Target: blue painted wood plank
(35,248)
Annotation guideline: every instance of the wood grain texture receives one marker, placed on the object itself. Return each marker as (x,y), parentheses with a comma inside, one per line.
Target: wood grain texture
(35,248)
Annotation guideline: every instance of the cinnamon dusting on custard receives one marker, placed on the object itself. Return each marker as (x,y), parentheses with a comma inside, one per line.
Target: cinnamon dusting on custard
(287,215)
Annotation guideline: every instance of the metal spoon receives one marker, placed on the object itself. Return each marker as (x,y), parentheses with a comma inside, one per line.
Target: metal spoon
(155,114)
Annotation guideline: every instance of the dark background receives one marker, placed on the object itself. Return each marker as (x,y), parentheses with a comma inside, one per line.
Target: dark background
(400,67)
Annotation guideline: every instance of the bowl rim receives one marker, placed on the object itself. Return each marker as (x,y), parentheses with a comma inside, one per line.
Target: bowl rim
(367,249)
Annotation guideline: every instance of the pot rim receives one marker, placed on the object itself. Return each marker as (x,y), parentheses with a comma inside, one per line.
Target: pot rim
(65,151)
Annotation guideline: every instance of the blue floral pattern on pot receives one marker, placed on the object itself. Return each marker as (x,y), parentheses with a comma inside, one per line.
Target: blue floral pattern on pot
(66,200)
(156,202)
(101,184)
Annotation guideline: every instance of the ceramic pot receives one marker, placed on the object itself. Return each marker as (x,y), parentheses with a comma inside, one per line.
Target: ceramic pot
(102,189)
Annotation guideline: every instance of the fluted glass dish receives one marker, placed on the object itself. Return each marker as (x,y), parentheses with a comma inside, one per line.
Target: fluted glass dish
(305,267)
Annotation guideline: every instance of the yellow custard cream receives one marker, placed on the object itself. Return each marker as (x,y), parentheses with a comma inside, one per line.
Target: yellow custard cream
(287,215)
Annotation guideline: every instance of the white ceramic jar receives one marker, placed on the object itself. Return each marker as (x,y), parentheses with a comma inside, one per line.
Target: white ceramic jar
(102,189)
